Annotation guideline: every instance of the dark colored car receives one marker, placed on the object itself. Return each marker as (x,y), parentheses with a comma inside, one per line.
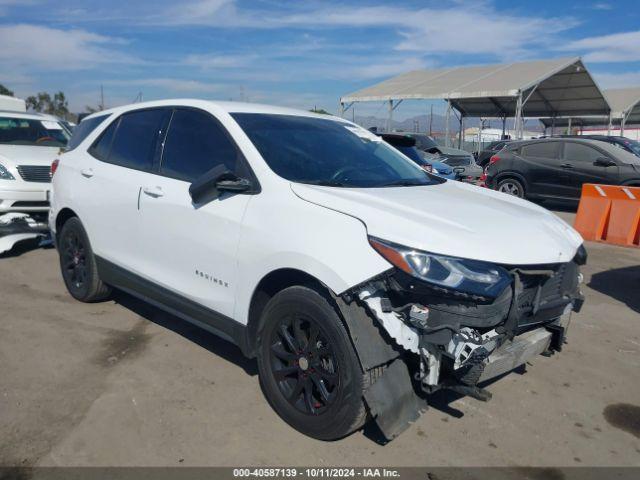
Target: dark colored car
(407,145)
(556,168)
(462,162)
(491,149)
(631,146)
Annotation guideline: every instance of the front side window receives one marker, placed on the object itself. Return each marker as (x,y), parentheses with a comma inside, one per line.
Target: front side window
(34,133)
(195,144)
(541,150)
(575,152)
(135,139)
(327,152)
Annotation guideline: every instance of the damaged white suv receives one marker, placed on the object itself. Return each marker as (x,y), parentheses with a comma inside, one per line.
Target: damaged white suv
(317,248)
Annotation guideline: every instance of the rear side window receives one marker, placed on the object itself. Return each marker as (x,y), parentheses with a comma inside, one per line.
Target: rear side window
(196,143)
(541,150)
(101,148)
(134,143)
(83,129)
(576,152)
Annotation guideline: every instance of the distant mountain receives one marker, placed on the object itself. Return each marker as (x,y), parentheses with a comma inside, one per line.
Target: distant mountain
(420,123)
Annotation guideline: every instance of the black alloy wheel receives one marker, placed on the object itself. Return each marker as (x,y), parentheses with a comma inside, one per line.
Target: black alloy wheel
(304,364)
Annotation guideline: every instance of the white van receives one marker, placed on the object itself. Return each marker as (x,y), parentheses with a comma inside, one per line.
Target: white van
(360,282)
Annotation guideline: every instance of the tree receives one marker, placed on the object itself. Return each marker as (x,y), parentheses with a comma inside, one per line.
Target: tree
(42,102)
(5,91)
(319,110)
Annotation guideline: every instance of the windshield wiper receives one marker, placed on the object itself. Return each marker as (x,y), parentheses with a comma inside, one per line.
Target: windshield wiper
(328,183)
(404,183)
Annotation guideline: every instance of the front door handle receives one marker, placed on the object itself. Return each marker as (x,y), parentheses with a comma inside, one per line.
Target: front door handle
(87,172)
(566,165)
(154,192)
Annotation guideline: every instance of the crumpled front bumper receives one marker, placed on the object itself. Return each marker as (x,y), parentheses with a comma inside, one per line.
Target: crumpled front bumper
(522,348)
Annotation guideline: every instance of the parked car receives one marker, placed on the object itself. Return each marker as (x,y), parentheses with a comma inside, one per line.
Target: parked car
(483,157)
(556,168)
(28,145)
(462,162)
(631,146)
(428,162)
(350,273)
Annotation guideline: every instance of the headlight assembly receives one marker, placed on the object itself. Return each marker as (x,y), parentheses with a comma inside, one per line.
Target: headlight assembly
(469,276)
(5,174)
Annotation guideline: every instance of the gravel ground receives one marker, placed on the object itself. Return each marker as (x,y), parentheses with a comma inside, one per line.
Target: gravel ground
(122,383)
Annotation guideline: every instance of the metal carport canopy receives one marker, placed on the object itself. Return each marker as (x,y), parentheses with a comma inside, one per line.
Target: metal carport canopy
(625,105)
(547,88)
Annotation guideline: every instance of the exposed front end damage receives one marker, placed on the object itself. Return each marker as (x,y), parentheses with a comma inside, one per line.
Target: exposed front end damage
(16,227)
(447,339)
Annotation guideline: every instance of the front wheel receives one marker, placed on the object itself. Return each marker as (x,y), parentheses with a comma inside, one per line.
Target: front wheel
(511,186)
(308,368)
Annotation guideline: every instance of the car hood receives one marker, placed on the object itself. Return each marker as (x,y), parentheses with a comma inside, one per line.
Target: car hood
(28,155)
(454,219)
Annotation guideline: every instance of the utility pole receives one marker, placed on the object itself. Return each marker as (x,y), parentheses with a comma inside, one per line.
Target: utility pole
(101,98)
(431,120)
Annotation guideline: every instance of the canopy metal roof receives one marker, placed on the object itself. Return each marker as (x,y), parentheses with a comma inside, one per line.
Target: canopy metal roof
(559,87)
(625,105)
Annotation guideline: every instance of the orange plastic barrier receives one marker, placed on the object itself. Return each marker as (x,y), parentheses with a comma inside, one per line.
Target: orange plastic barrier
(609,213)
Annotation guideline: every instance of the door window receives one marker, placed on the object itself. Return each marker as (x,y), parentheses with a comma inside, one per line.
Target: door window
(541,150)
(195,144)
(576,152)
(135,139)
(101,148)
(83,130)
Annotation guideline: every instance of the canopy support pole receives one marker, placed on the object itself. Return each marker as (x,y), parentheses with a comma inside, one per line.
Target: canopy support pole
(343,108)
(392,107)
(461,123)
(446,127)
(569,127)
(623,123)
(609,125)
(518,119)
(553,125)
(504,126)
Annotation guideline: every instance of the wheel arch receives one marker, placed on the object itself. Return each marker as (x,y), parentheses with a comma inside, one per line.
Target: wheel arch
(512,174)
(62,217)
(272,283)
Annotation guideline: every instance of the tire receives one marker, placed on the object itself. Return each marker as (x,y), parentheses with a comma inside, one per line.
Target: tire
(511,186)
(78,264)
(315,386)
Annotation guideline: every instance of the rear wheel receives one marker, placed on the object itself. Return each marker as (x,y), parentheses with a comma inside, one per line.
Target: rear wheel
(78,265)
(511,186)
(308,368)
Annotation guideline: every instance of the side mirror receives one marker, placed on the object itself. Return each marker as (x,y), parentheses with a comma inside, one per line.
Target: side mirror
(217,180)
(604,162)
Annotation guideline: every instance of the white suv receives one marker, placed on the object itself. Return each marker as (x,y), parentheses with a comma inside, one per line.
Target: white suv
(360,282)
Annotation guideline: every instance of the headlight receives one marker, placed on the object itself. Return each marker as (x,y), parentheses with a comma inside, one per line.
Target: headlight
(5,174)
(469,276)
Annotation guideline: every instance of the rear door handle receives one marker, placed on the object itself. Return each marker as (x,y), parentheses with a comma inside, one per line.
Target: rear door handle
(154,192)
(87,172)
(566,165)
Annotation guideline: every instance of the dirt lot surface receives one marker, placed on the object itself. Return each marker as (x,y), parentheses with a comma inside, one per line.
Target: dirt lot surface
(122,383)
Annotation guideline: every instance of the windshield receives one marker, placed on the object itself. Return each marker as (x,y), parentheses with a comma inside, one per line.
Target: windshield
(632,145)
(327,152)
(24,131)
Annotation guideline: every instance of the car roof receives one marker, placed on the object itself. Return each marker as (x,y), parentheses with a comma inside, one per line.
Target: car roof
(28,116)
(398,139)
(612,150)
(228,107)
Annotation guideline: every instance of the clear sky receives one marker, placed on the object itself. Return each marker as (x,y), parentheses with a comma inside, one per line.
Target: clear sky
(296,53)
